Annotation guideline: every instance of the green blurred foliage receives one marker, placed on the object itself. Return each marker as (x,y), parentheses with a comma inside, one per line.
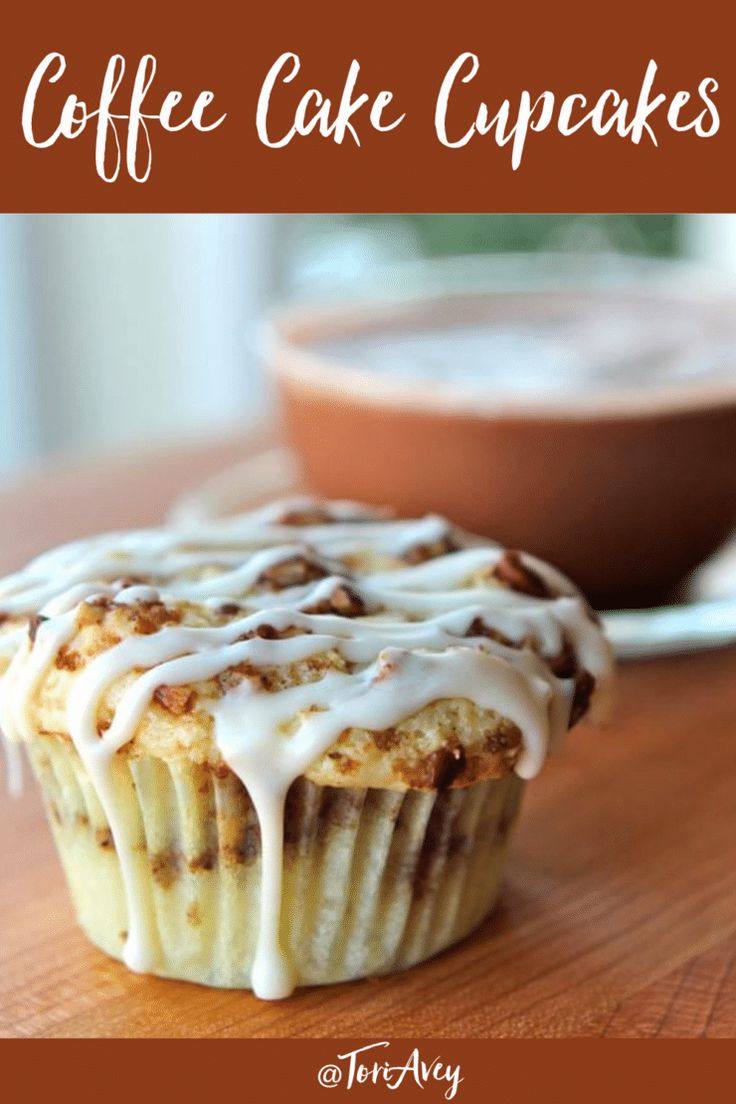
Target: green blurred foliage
(452,235)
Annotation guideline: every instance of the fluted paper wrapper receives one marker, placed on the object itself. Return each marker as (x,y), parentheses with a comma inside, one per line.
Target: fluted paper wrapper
(374,880)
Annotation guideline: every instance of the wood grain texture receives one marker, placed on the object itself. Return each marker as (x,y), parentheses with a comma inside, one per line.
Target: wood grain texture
(619,913)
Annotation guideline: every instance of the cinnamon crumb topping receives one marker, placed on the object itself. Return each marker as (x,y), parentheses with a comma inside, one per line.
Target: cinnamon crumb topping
(229,609)
(314,515)
(34,624)
(176,699)
(344,601)
(92,611)
(263,632)
(149,617)
(478,627)
(388,738)
(295,571)
(67,659)
(515,574)
(420,553)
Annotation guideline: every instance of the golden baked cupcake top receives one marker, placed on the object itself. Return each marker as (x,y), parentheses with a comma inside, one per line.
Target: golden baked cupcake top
(305,638)
(428,657)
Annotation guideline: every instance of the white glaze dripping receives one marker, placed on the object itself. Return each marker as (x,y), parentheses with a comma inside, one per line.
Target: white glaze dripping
(413,653)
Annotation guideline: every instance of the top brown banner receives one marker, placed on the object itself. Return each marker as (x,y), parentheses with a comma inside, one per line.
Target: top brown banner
(387,106)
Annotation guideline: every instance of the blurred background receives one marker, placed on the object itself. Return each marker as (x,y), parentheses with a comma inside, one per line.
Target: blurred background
(123,331)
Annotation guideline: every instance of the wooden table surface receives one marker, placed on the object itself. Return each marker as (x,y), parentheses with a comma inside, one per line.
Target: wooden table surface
(619,912)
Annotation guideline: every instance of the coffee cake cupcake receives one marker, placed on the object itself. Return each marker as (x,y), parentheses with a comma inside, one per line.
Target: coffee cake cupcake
(287,748)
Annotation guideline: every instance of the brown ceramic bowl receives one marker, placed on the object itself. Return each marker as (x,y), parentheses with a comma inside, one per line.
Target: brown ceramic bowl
(626,485)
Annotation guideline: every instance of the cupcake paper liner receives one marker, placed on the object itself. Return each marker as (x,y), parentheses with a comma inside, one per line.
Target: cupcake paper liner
(374,880)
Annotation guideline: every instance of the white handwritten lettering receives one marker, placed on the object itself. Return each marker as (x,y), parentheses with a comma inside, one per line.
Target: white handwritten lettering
(75,115)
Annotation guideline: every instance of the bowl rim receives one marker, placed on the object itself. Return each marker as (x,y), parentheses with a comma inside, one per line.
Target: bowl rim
(291,332)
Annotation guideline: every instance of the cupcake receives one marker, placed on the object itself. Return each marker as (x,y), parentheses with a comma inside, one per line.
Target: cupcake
(288,748)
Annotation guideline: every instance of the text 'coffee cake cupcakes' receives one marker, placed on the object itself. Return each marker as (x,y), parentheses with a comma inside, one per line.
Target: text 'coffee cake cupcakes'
(287,748)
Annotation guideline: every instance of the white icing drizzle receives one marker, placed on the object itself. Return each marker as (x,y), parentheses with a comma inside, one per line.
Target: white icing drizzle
(413,649)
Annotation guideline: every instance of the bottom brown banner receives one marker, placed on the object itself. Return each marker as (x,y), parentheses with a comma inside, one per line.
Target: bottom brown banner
(467,1070)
